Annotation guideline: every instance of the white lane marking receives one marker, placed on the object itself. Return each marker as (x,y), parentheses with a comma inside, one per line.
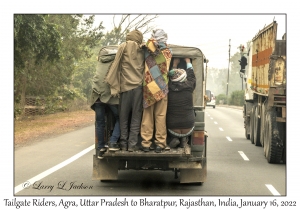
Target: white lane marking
(54,168)
(211,118)
(228,138)
(272,189)
(243,155)
(215,122)
(221,129)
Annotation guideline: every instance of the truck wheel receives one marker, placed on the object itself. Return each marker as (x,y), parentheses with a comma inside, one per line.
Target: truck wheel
(246,124)
(247,135)
(284,155)
(273,152)
(262,125)
(265,136)
(282,132)
(256,128)
(251,125)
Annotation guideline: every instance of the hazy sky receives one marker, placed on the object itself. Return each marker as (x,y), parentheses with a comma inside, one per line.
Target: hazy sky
(211,33)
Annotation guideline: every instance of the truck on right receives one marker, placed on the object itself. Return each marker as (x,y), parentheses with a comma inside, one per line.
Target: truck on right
(265,93)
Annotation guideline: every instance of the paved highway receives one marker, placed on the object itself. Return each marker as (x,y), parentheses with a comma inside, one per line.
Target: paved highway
(63,166)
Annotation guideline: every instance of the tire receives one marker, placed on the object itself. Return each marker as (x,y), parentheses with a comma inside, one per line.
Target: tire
(214,106)
(252,124)
(246,134)
(273,152)
(265,135)
(282,132)
(247,127)
(284,154)
(262,125)
(256,128)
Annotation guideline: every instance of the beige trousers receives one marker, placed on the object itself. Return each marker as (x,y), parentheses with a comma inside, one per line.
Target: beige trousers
(155,117)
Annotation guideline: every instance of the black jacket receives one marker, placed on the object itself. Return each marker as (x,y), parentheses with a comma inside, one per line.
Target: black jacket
(180,111)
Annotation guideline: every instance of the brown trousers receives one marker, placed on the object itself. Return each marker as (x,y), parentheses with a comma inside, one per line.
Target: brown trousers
(155,117)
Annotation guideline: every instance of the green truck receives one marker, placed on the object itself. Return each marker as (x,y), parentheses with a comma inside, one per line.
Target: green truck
(189,164)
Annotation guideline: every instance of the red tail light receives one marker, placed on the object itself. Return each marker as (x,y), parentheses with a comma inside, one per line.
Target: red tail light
(198,138)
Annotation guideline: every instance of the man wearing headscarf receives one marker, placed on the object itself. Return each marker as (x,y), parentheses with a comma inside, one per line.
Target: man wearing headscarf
(125,78)
(155,90)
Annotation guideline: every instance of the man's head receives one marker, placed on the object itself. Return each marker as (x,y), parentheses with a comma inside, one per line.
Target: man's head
(159,35)
(135,36)
(177,75)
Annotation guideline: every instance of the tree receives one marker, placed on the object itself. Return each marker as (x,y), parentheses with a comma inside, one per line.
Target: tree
(118,34)
(237,98)
(83,74)
(216,80)
(47,50)
(235,79)
(54,54)
(35,40)
(79,38)
(85,70)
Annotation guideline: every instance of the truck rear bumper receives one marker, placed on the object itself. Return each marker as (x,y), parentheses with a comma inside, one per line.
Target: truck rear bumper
(108,168)
(191,168)
(172,153)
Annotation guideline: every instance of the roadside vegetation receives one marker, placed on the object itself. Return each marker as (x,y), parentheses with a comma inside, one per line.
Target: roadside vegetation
(55,58)
(233,93)
(236,98)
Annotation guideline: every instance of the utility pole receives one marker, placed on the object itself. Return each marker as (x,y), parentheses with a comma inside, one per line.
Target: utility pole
(205,99)
(205,61)
(242,76)
(242,82)
(228,69)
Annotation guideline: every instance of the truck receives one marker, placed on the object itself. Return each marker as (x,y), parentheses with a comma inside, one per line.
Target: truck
(189,164)
(265,93)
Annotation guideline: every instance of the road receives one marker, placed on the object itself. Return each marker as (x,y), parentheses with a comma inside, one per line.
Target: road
(63,166)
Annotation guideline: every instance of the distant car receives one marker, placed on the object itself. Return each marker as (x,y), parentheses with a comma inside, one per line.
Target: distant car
(212,102)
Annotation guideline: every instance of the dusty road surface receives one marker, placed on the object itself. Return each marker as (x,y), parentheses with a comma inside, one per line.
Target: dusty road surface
(36,128)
